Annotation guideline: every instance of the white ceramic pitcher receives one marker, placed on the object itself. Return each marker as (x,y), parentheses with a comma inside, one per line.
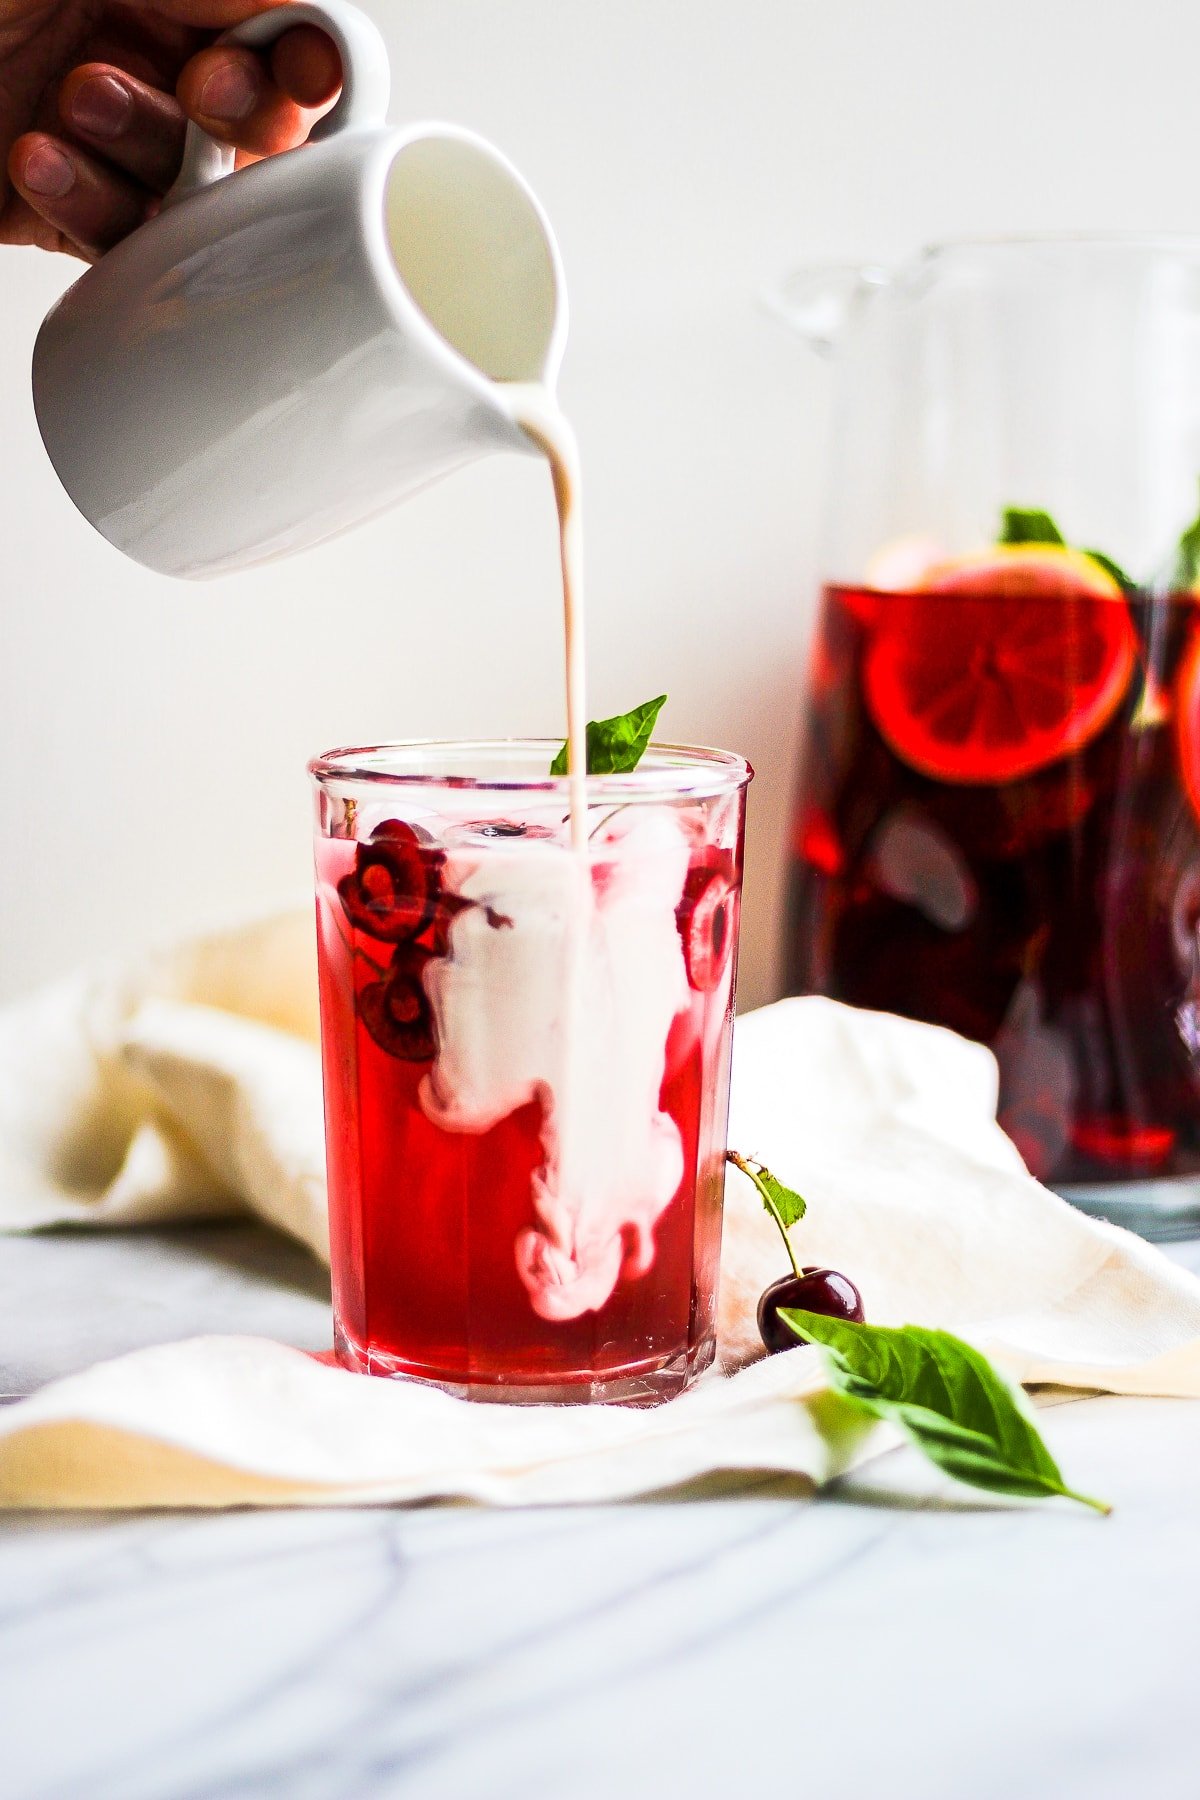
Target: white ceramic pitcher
(285,350)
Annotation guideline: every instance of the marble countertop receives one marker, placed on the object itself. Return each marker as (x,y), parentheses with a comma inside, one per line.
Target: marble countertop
(897,1636)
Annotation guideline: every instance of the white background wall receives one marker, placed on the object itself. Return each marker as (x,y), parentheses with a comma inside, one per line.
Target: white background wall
(153,735)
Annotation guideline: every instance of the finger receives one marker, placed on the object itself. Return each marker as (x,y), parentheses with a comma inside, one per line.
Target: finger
(134,126)
(306,65)
(90,204)
(144,43)
(19,224)
(229,92)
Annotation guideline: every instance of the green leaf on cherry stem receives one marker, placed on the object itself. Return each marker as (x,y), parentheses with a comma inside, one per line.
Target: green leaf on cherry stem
(783,1204)
(614,746)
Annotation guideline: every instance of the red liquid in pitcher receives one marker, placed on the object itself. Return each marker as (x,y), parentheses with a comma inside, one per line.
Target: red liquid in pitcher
(999,831)
(427,1223)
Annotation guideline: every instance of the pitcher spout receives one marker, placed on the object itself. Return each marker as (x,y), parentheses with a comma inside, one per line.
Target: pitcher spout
(816,301)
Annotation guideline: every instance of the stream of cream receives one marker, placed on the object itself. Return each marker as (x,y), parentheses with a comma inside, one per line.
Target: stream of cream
(563,982)
(542,419)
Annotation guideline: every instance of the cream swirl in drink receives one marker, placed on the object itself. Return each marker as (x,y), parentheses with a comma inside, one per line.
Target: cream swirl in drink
(548,924)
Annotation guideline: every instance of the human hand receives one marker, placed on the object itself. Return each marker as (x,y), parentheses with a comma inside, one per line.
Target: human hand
(95,96)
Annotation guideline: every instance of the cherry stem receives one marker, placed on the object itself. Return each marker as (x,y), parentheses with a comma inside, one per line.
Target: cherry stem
(754,1171)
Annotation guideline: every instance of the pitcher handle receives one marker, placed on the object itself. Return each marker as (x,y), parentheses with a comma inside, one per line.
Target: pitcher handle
(363,101)
(816,300)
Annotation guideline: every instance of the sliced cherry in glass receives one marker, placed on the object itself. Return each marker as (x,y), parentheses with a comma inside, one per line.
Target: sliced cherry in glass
(390,892)
(705,919)
(397,1013)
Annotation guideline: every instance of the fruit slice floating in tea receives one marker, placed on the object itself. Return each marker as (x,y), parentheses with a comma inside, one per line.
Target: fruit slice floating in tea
(704,917)
(1125,1142)
(1187,719)
(397,1013)
(902,564)
(389,895)
(1001,663)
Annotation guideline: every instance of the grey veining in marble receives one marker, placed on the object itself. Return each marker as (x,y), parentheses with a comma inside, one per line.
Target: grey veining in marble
(69,1299)
(897,1637)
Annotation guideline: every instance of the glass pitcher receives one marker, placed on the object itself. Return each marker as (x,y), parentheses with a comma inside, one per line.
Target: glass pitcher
(998,820)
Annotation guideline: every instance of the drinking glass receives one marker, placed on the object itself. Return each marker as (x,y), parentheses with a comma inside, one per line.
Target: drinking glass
(526,1064)
(998,824)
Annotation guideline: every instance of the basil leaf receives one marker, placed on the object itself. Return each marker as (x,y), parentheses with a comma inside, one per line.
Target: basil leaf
(945,1396)
(1028,525)
(616,745)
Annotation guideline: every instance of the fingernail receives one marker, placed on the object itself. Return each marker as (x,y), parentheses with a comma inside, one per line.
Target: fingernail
(231,92)
(48,172)
(101,106)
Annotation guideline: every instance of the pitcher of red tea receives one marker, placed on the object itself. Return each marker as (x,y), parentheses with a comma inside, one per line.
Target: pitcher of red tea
(998,819)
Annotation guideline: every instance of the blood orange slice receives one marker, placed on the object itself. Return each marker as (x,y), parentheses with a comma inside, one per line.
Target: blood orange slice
(1187,718)
(1000,664)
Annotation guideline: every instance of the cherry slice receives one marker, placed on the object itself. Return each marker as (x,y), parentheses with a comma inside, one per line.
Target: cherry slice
(397,1014)
(705,919)
(1000,664)
(390,891)
(1187,719)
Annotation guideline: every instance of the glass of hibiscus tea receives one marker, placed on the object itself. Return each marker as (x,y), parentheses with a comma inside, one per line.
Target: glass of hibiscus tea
(526,1034)
(998,819)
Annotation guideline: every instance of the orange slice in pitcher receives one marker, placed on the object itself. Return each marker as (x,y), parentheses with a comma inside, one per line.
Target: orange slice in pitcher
(1187,718)
(1000,664)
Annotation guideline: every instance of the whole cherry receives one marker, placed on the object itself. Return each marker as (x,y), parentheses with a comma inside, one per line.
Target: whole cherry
(824,1291)
(390,892)
(813,1290)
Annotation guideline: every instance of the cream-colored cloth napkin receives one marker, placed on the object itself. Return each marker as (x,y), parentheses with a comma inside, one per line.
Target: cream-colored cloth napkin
(191,1088)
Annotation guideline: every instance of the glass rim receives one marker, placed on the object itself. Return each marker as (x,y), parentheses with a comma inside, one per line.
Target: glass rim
(666,771)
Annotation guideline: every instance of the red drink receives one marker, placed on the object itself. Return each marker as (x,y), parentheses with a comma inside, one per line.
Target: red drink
(999,831)
(526,1078)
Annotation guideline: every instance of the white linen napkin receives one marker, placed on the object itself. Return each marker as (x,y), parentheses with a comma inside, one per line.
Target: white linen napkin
(191,1087)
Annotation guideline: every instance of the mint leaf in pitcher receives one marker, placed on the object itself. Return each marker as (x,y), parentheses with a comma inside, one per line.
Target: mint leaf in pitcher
(1185,572)
(614,746)
(1112,568)
(1028,525)
(947,1399)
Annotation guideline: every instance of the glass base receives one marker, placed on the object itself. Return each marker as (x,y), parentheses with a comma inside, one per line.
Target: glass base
(639,1384)
(1160,1210)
